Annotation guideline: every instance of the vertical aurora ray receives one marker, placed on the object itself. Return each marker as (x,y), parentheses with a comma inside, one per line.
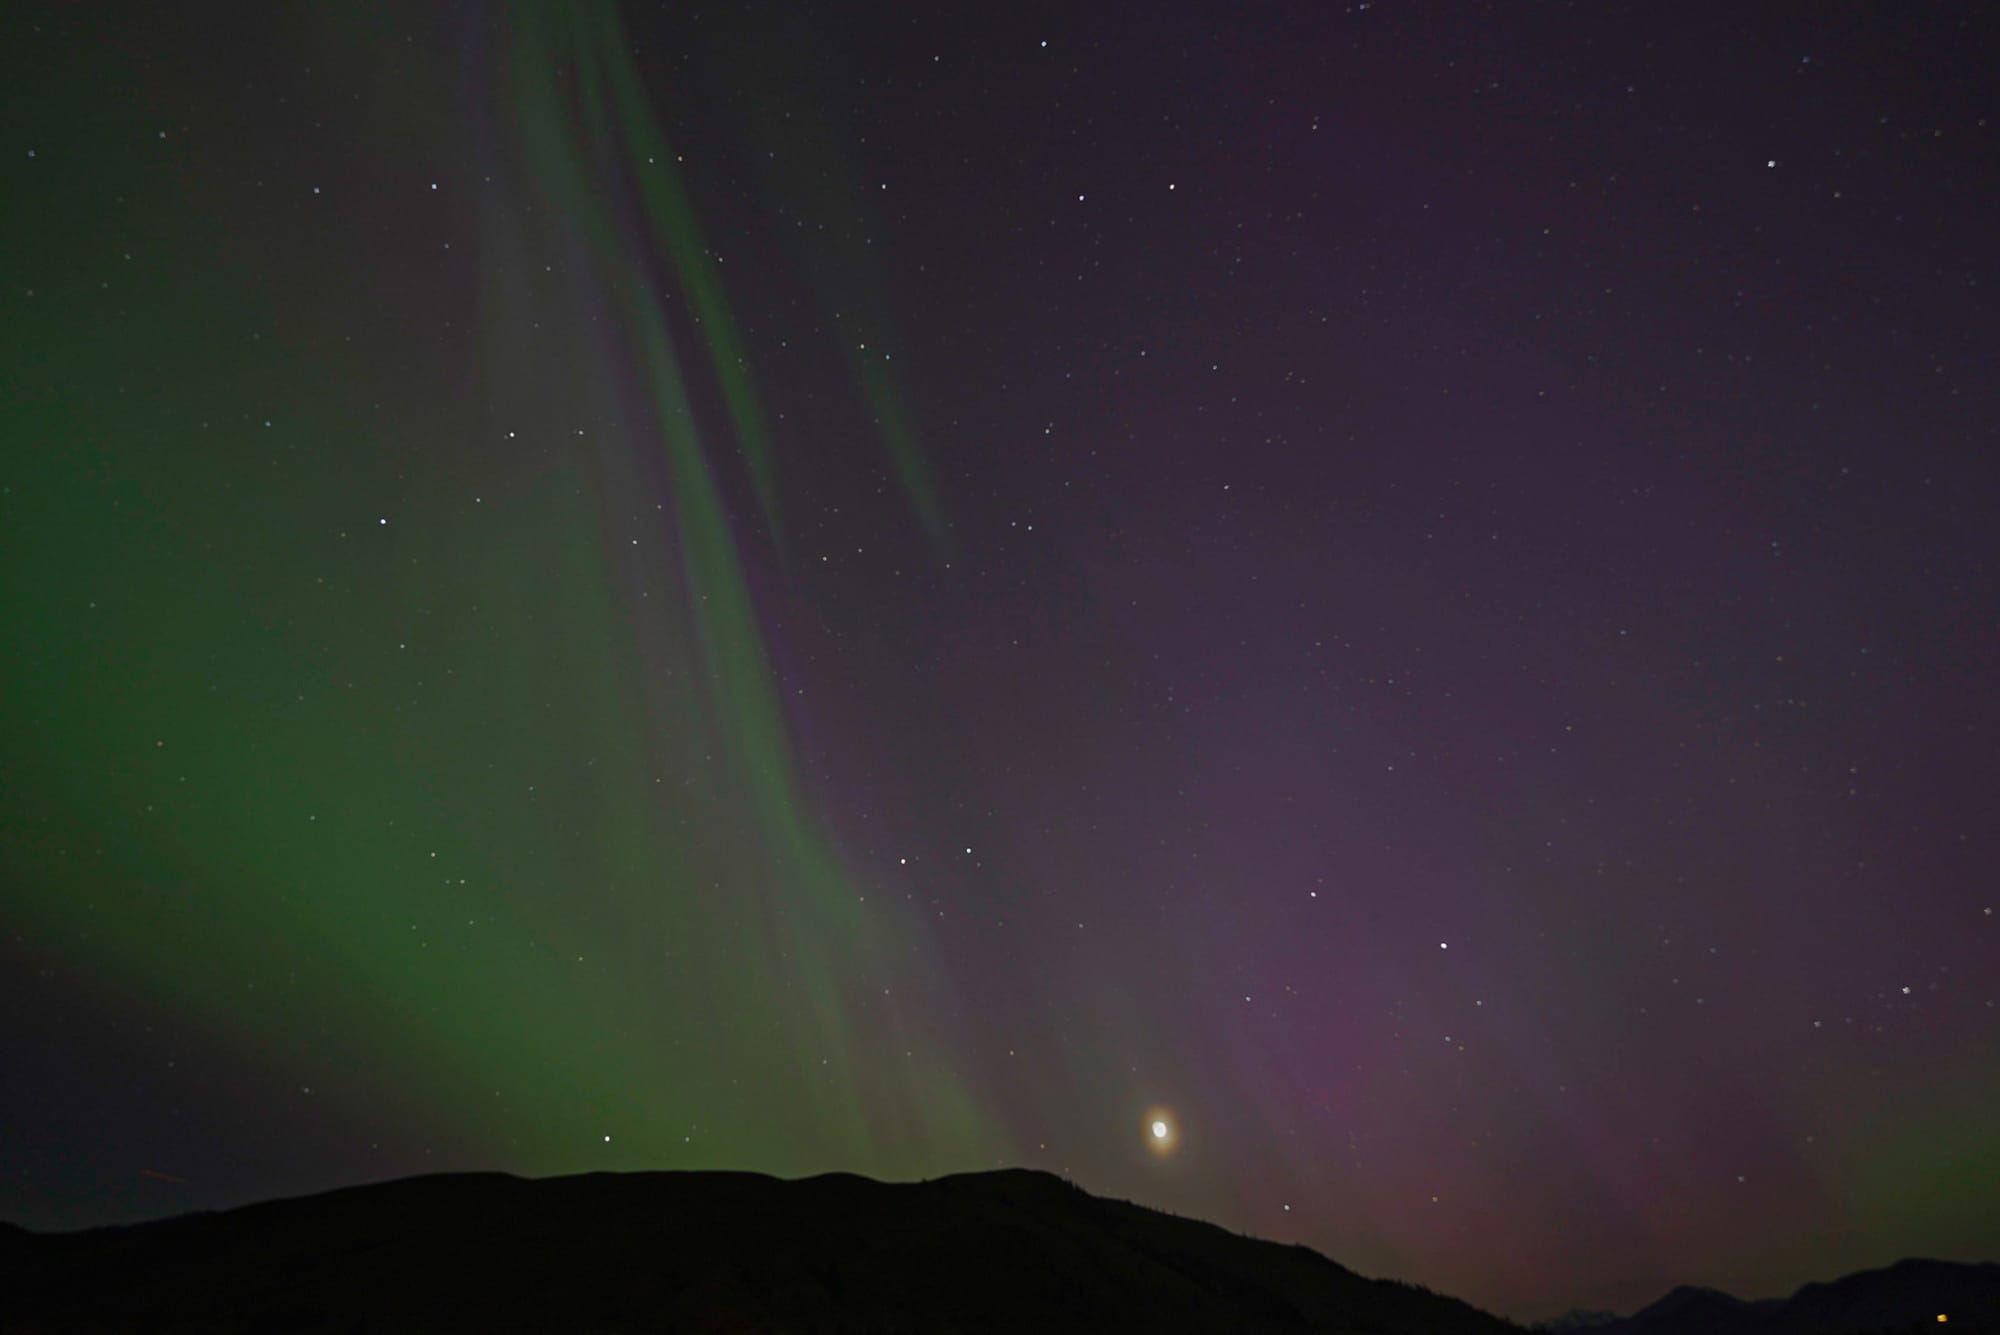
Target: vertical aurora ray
(808,923)
(798,156)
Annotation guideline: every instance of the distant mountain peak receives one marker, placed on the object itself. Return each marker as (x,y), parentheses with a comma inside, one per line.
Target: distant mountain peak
(1911,1293)
(1580,1319)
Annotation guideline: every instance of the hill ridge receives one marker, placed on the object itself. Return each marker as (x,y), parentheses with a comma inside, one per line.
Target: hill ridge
(1006,1249)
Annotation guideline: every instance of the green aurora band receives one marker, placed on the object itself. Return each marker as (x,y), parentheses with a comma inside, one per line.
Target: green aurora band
(471,804)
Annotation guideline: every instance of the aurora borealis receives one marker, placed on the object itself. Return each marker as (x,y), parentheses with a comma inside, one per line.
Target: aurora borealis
(1409,593)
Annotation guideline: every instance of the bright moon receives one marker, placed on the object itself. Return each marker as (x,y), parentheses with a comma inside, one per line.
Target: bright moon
(1163,1132)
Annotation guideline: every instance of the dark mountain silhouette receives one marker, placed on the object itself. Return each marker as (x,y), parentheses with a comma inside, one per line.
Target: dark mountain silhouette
(1907,1291)
(1907,1296)
(1687,1310)
(1008,1251)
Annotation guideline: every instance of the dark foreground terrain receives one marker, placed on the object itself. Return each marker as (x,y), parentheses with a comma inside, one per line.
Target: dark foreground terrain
(1908,1296)
(710,1252)
(698,1252)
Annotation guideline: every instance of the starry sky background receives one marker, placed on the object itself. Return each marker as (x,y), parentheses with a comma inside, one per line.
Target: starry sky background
(819,587)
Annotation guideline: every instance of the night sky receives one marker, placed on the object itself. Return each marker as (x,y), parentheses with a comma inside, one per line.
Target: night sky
(1408,590)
